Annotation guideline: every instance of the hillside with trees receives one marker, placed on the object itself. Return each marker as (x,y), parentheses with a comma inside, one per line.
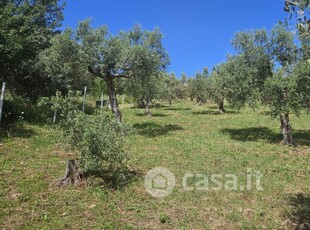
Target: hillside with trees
(97,131)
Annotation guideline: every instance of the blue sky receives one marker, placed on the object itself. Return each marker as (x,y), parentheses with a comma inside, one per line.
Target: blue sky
(197,33)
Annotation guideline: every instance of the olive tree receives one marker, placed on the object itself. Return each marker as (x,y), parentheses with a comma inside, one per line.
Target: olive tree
(281,89)
(248,69)
(267,69)
(217,86)
(301,9)
(136,53)
(198,88)
(302,75)
(170,88)
(144,90)
(182,91)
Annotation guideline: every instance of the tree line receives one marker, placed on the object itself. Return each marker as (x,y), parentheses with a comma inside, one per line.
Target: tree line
(37,59)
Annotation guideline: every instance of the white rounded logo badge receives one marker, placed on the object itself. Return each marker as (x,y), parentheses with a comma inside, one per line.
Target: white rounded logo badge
(159,182)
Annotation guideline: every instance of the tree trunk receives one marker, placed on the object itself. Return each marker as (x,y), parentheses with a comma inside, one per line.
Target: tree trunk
(221,106)
(72,176)
(170,104)
(147,111)
(112,98)
(286,129)
(141,104)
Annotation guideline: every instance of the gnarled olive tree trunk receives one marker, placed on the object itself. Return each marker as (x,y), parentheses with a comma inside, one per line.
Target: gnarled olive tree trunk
(170,104)
(140,103)
(147,111)
(108,78)
(112,98)
(72,175)
(221,106)
(286,129)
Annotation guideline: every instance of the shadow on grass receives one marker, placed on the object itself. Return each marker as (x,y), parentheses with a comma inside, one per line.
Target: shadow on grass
(216,107)
(161,106)
(9,131)
(300,214)
(301,137)
(114,180)
(212,112)
(153,115)
(213,107)
(178,109)
(151,129)
(253,134)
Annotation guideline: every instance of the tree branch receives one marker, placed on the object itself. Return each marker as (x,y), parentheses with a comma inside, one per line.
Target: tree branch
(121,76)
(288,2)
(95,72)
(126,74)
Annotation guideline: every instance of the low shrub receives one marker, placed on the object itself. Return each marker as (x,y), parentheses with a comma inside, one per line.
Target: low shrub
(99,140)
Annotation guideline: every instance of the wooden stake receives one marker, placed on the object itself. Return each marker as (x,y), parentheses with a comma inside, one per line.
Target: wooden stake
(101,105)
(55,116)
(2,99)
(84,100)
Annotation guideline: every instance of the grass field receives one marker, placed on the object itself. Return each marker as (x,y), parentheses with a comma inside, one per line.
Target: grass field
(187,139)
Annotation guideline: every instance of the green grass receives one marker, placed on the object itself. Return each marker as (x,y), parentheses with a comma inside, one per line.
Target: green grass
(185,139)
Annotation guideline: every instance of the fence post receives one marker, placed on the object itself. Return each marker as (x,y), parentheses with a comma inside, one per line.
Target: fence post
(84,99)
(101,105)
(54,116)
(2,99)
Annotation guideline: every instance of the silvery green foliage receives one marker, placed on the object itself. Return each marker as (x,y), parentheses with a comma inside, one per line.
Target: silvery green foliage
(281,94)
(301,10)
(217,84)
(198,87)
(66,105)
(135,53)
(170,87)
(142,89)
(253,75)
(302,75)
(99,140)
